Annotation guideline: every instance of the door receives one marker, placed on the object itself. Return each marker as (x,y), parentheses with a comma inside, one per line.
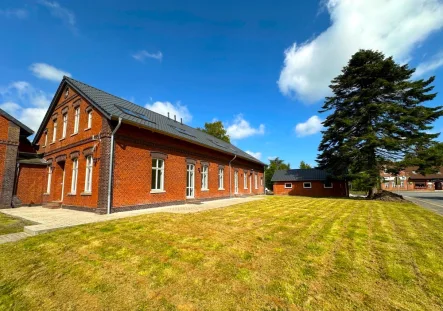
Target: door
(438,186)
(250,183)
(63,183)
(190,181)
(236,182)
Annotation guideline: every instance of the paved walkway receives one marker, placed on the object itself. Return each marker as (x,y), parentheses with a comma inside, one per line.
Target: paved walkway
(53,219)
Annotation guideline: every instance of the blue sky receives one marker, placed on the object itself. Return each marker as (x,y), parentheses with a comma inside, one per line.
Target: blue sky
(261,67)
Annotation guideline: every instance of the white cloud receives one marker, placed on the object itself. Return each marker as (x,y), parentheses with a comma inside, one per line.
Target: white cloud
(24,102)
(310,127)
(17,13)
(178,110)
(394,27)
(45,71)
(256,155)
(142,55)
(62,13)
(241,128)
(431,65)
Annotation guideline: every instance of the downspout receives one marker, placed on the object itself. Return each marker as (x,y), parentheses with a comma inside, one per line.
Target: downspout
(111,162)
(230,186)
(264,179)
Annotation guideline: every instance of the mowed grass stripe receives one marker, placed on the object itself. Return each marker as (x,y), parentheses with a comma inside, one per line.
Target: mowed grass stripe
(281,253)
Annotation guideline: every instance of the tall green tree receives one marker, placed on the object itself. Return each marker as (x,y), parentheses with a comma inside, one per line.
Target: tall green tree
(377,117)
(274,165)
(216,129)
(304,165)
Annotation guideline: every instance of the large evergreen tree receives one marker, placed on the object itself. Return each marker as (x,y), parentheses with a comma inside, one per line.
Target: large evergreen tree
(377,117)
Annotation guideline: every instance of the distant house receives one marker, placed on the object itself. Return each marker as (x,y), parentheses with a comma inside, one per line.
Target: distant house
(307,182)
(411,180)
(22,172)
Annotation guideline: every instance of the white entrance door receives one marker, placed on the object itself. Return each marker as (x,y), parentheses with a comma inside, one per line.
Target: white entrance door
(236,182)
(190,181)
(63,184)
(250,184)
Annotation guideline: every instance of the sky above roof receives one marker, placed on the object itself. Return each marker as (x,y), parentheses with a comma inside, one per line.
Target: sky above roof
(261,67)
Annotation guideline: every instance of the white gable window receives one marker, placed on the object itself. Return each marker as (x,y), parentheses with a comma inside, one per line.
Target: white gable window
(76,119)
(221,184)
(158,176)
(48,186)
(89,119)
(88,177)
(74,176)
(54,132)
(245,180)
(288,186)
(205,177)
(307,185)
(65,125)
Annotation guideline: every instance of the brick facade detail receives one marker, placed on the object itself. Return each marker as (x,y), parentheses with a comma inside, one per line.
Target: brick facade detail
(9,141)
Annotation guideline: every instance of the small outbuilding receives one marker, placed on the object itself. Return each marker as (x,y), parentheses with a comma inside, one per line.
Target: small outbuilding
(308,182)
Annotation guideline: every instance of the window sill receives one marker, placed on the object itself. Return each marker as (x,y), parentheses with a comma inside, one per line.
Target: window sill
(62,139)
(74,134)
(87,129)
(46,193)
(221,189)
(86,193)
(157,191)
(204,190)
(44,146)
(52,143)
(71,194)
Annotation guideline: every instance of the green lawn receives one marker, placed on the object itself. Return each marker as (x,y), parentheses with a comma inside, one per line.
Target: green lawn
(277,254)
(10,224)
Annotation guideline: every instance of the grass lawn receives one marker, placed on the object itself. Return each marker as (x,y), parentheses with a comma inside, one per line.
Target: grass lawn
(276,254)
(10,224)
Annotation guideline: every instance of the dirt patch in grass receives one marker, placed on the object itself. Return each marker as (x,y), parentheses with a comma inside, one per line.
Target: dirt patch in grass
(9,224)
(388,196)
(281,253)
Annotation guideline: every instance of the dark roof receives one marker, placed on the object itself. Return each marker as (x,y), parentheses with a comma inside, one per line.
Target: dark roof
(299,175)
(114,107)
(26,129)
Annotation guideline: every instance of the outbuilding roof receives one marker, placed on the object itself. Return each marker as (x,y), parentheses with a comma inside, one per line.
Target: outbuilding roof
(114,107)
(26,129)
(300,175)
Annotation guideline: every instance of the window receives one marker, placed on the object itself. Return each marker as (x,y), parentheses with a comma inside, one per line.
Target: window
(54,133)
(307,185)
(386,185)
(221,184)
(67,92)
(133,113)
(205,177)
(236,182)
(46,138)
(74,176)
(255,181)
(65,125)
(76,119)
(288,186)
(48,187)
(89,119)
(245,180)
(158,176)
(327,184)
(88,178)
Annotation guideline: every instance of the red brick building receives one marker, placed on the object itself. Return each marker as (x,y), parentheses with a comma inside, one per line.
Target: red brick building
(411,180)
(21,171)
(307,182)
(106,154)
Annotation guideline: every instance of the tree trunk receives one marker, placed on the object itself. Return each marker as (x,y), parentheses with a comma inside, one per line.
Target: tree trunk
(372,192)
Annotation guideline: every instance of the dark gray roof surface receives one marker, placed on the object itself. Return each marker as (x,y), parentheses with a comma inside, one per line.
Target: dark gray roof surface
(17,122)
(114,107)
(299,175)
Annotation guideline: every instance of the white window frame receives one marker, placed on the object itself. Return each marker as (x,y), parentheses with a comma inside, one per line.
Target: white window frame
(221,179)
(245,180)
(286,185)
(46,138)
(88,175)
(236,182)
(65,125)
(205,179)
(89,119)
(305,183)
(256,181)
(324,185)
(48,185)
(54,131)
(76,119)
(74,176)
(159,166)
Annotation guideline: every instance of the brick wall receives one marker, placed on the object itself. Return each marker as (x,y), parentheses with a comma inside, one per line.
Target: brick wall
(30,184)
(338,189)
(10,134)
(133,169)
